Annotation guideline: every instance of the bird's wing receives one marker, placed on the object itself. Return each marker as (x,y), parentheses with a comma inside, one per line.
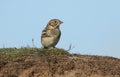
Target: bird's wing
(44,33)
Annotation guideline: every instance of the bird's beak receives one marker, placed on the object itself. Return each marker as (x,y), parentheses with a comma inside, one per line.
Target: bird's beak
(61,22)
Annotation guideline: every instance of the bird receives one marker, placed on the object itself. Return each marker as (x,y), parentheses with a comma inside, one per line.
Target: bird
(51,34)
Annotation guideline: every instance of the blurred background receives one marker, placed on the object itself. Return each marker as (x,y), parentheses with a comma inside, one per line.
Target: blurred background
(91,26)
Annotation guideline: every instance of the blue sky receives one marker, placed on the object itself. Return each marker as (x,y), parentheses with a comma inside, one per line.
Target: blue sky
(91,26)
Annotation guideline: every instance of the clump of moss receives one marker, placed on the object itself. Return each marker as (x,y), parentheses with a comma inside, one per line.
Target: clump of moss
(12,53)
(54,52)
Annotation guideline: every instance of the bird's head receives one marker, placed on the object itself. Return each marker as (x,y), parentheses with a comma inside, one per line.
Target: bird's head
(54,23)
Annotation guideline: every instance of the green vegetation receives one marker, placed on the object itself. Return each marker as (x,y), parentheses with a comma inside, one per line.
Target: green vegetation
(12,53)
(54,52)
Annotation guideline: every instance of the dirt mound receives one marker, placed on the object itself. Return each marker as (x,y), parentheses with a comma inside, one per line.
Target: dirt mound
(59,65)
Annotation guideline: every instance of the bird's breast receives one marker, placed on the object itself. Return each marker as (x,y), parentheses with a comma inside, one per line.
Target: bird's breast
(54,32)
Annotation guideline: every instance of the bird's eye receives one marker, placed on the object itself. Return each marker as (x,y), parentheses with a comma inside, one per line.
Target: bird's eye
(55,21)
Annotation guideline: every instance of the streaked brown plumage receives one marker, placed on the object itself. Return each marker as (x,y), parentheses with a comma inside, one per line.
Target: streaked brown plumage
(51,34)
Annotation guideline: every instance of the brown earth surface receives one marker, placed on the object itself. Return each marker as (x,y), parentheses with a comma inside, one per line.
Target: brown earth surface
(67,65)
